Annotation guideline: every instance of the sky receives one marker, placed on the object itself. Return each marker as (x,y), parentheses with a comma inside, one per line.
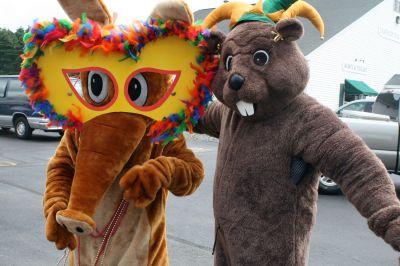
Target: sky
(22,13)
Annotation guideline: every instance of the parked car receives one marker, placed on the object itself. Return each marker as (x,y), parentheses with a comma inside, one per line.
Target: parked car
(379,132)
(363,105)
(16,112)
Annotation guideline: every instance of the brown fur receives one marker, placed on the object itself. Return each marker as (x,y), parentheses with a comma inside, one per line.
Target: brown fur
(95,10)
(156,80)
(268,86)
(110,158)
(103,139)
(60,171)
(173,9)
(262,217)
(181,183)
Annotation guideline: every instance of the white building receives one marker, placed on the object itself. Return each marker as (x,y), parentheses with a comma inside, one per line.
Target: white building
(367,50)
(362,45)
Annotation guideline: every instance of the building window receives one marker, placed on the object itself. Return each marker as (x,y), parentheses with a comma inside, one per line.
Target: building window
(353,97)
(396,6)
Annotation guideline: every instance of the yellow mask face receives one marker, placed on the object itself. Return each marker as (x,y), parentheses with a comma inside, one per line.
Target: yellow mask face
(117,63)
(156,57)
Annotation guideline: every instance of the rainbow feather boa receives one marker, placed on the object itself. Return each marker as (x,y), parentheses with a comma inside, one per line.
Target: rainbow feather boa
(90,36)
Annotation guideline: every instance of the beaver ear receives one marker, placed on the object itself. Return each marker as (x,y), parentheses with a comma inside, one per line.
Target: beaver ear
(214,42)
(290,29)
(173,9)
(94,9)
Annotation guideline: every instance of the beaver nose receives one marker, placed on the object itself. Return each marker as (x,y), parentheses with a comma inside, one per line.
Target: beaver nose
(236,81)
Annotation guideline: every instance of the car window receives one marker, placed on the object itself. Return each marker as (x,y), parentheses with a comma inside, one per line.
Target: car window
(15,89)
(368,107)
(3,84)
(355,107)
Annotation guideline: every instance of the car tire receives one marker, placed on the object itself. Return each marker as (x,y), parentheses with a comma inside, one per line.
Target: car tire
(22,128)
(327,186)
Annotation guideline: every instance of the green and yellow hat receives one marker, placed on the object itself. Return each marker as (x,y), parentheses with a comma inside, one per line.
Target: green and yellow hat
(269,11)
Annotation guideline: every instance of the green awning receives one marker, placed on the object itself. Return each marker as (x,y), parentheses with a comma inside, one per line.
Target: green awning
(358,87)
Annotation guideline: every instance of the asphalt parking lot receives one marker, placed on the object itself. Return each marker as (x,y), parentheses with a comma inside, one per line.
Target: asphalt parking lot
(340,237)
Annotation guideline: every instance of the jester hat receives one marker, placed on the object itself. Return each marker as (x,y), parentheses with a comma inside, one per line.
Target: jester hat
(269,11)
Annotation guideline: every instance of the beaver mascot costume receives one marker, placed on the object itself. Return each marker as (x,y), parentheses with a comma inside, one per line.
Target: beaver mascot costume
(275,140)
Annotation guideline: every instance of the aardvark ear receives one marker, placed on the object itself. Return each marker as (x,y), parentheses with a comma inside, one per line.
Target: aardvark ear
(94,9)
(173,9)
(290,29)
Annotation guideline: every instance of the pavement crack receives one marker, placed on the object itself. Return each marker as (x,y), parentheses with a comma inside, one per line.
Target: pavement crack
(21,187)
(189,243)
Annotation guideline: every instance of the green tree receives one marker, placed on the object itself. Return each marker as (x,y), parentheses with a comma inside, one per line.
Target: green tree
(11,46)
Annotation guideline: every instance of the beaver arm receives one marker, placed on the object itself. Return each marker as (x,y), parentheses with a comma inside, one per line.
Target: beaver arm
(177,170)
(210,124)
(323,140)
(60,172)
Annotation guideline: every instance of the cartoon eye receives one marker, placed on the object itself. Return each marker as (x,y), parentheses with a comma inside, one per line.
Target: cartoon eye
(260,57)
(97,86)
(228,62)
(137,90)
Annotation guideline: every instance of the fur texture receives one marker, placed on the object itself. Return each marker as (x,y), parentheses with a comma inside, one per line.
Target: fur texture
(112,159)
(173,9)
(262,217)
(95,9)
(153,164)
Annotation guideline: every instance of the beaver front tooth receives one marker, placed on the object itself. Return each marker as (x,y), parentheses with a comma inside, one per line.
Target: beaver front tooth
(245,109)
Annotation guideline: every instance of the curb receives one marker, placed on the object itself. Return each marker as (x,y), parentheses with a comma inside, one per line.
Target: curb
(196,136)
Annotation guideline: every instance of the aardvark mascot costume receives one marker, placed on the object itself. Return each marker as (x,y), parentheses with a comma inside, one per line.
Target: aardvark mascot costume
(274,140)
(125,94)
